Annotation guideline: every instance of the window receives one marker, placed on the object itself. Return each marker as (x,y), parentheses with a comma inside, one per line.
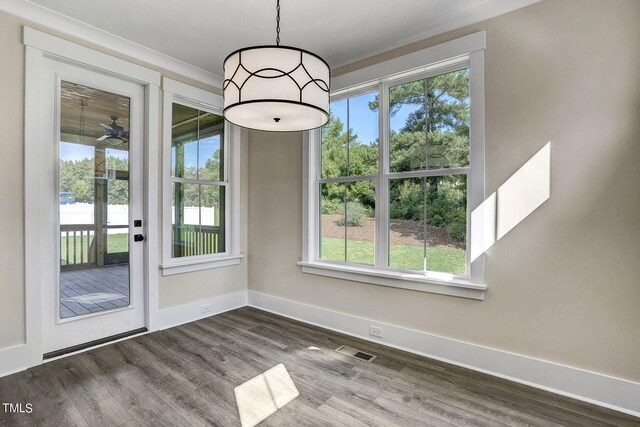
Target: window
(392,178)
(349,165)
(200,182)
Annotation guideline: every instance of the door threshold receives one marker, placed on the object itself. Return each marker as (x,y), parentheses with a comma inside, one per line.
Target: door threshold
(94,343)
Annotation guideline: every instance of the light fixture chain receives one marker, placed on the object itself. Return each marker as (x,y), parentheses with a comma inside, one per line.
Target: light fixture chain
(278,23)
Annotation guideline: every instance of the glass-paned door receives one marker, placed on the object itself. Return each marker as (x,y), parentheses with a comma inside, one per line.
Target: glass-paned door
(94,200)
(98,176)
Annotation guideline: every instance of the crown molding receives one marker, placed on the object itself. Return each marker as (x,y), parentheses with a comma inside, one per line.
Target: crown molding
(467,15)
(72,27)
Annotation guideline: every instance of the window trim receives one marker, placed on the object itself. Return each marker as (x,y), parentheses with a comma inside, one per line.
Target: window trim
(456,54)
(180,93)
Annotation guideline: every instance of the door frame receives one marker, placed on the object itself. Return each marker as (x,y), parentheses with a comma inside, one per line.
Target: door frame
(59,333)
(37,188)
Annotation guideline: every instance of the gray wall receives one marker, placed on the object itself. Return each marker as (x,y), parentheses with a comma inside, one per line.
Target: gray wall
(564,284)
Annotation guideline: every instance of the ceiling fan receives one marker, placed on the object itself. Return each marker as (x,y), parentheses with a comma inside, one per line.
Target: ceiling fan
(114,133)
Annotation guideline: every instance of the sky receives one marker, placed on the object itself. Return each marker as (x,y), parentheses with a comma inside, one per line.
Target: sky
(362,120)
(208,147)
(76,152)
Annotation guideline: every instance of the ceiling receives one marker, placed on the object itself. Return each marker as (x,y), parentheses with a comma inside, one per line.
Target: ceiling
(83,110)
(203,32)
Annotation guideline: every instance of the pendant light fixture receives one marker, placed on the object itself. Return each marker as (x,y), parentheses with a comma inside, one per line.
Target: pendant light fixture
(276,88)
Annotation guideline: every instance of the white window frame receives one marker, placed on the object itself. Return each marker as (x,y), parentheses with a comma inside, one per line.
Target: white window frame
(466,52)
(180,93)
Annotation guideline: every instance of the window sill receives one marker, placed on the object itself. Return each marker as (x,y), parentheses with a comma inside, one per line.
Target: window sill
(179,267)
(417,282)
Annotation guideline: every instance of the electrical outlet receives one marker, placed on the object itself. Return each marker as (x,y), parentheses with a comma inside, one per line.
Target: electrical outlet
(375,331)
(205,308)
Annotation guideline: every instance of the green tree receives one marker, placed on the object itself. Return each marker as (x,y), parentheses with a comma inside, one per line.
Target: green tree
(436,131)
(77,177)
(435,135)
(344,154)
(82,191)
(118,189)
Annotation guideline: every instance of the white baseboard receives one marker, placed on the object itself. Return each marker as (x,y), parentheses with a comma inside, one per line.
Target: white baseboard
(15,359)
(181,314)
(20,357)
(599,389)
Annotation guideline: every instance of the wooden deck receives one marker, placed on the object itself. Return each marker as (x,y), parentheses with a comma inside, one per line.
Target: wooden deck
(91,290)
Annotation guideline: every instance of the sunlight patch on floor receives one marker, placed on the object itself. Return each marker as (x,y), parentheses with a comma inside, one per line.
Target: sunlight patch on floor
(264,394)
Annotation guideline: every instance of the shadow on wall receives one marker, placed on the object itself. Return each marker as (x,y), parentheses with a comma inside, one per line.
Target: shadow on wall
(520,195)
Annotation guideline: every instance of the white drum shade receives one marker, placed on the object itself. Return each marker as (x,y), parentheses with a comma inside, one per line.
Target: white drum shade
(276,88)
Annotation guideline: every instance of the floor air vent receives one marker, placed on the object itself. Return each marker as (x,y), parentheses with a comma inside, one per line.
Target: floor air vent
(343,349)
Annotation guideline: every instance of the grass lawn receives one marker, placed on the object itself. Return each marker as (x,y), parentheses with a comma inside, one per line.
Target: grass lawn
(116,243)
(448,260)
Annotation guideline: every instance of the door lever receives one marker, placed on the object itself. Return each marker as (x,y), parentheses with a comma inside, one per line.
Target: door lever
(138,237)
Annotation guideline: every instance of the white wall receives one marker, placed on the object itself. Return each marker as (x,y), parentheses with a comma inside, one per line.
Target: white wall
(12,262)
(564,283)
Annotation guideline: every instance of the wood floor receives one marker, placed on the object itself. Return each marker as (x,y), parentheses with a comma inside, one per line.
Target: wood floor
(186,376)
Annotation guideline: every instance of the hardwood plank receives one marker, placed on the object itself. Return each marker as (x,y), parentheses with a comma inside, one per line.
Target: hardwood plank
(297,413)
(68,417)
(132,390)
(186,376)
(95,403)
(350,415)
(47,396)
(11,392)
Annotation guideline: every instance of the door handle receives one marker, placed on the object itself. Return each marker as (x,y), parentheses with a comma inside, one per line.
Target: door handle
(138,237)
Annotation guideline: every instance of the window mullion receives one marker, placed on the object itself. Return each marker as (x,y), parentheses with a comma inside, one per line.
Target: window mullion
(347,179)
(314,214)
(475,177)
(346,185)
(382,183)
(429,172)
(198,181)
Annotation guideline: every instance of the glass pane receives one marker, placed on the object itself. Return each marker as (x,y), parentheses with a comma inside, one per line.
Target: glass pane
(118,201)
(407,210)
(212,215)
(429,123)
(428,223)
(334,141)
(118,187)
(184,142)
(360,222)
(198,213)
(332,232)
(211,148)
(447,223)
(94,200)
(185,219)
(363,134)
